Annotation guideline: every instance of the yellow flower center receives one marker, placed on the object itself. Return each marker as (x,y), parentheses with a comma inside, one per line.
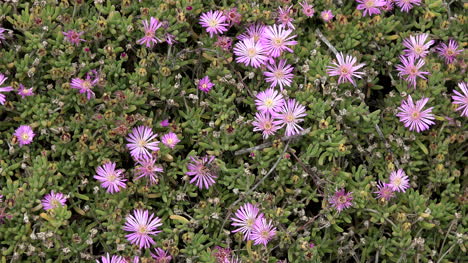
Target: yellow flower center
(25,136)
(370,4)
(251,52)
(149,34)
(279,74)
(415,115)
(141,143)
(87,84)
(278,41)
(267,126)
(450,52)
(212,22)
(250,222)
(265,234)
(418,49)
(111,177)
(289,117)
(142,230)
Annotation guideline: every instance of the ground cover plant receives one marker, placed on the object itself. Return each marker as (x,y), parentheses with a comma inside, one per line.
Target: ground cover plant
(233,131)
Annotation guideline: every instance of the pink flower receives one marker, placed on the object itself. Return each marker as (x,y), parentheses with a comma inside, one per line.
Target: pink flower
(150,32)
(161,256)
(73,37)
(250,53)
(164,123)
(24,92)
(461,99)
(2,34)
(407,5)
(413,115)
(112,180)
(411,70)
(284,17)
(170,39)
(232,16)
(254,31)
(3,89)
(205,84)
(262,232)
(327,15)
(341,200)
(214,22)
(416,46)
(269,101)
(388,6)
(370,7)
(307,10)
(85,85)
(222,254)
(170,140)
(264,122)
(114,259)
(385,191)
(290,114)
(277,39)
(141,140)
(399,182)
(346,69)
(449,52)
(142,225)
(24,134)
(279,74)
(202,172)
(245,218)
(225,43)
(147,168)
(53,200)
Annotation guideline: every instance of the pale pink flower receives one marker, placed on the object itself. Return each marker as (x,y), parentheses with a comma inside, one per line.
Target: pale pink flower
(142,225)
(147,168)
(214,22)
(85,85)
(307,10)
(327,15)
(3,89)
(264,122)
(284,17)
(170,140)
(416,46)
(73,37)
(205,84)
(111,259)
(24,134)
(341,200)
(254,31)
(399,181)
(413,115)
(279,74)
(406,5)
(24,92)
(370,7)
(277,40)
(262,232)
(345,68)
(53,200)
(385,191)
(142,139)
(161,256)
(244,218)
(289,115)
(150,32)
(269,101)
(250,53)
(410,70)
(203,174)
(449,52)
(111,179)
(461,99)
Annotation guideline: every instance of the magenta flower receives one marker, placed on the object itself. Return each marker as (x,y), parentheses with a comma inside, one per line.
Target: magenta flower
(170,140)
(53,200)
(161,256)
(205,84)
(413,116)
(284,17)
(269,101)
(449,52)
(24,134)
(232,16)
(225,43)
(370,7)
(277,39)
(399,182)
(385,191)
(262,232)
(307,10)
(142,139)
(290,114)
(85,85)
(416,46)
(264,122)
(142,225)
(279,74)
(164,123)
(254,31)
(345,69)
(250,53)
(2,34)
(214,22)
(170,39)
(341,200)
(73,37)
(461,99)
(245,218)
(388,6)
(409,71)
(327,15)
(147,168)
(114,259)
(24,92)
(222,254)
(150,32)
(406,5)
(202,172)
(3,89)
(112,180)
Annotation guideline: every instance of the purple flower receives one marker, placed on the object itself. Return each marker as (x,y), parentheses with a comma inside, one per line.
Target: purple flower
(202,172)
(114,259)
(345,69)
(284,17)
(24,134)
(269,101)
(250,53)
(225,43)
(147,168)
(385,191)
(142,225)
(406,5)
(388,6)
(161,256)
(277,39)
(262,232)
(170,140)
(411,69)
(307,10)
(341,200)
(85,85)
(370,7)
(73,37)
(461,99)
(142,139)
(170,39)
(53,200)
(205,84)
(24,92)
(3,89)
(279,74)
(327,15)
(214,22)
(264,122)
(290,114)
(222,255)
(254,31)
(112,180)
(416,46)
(449,52)
(164,123)
(2,34)
(150,32)
(244,218)
(399,182)
(413,115)
(233,17)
